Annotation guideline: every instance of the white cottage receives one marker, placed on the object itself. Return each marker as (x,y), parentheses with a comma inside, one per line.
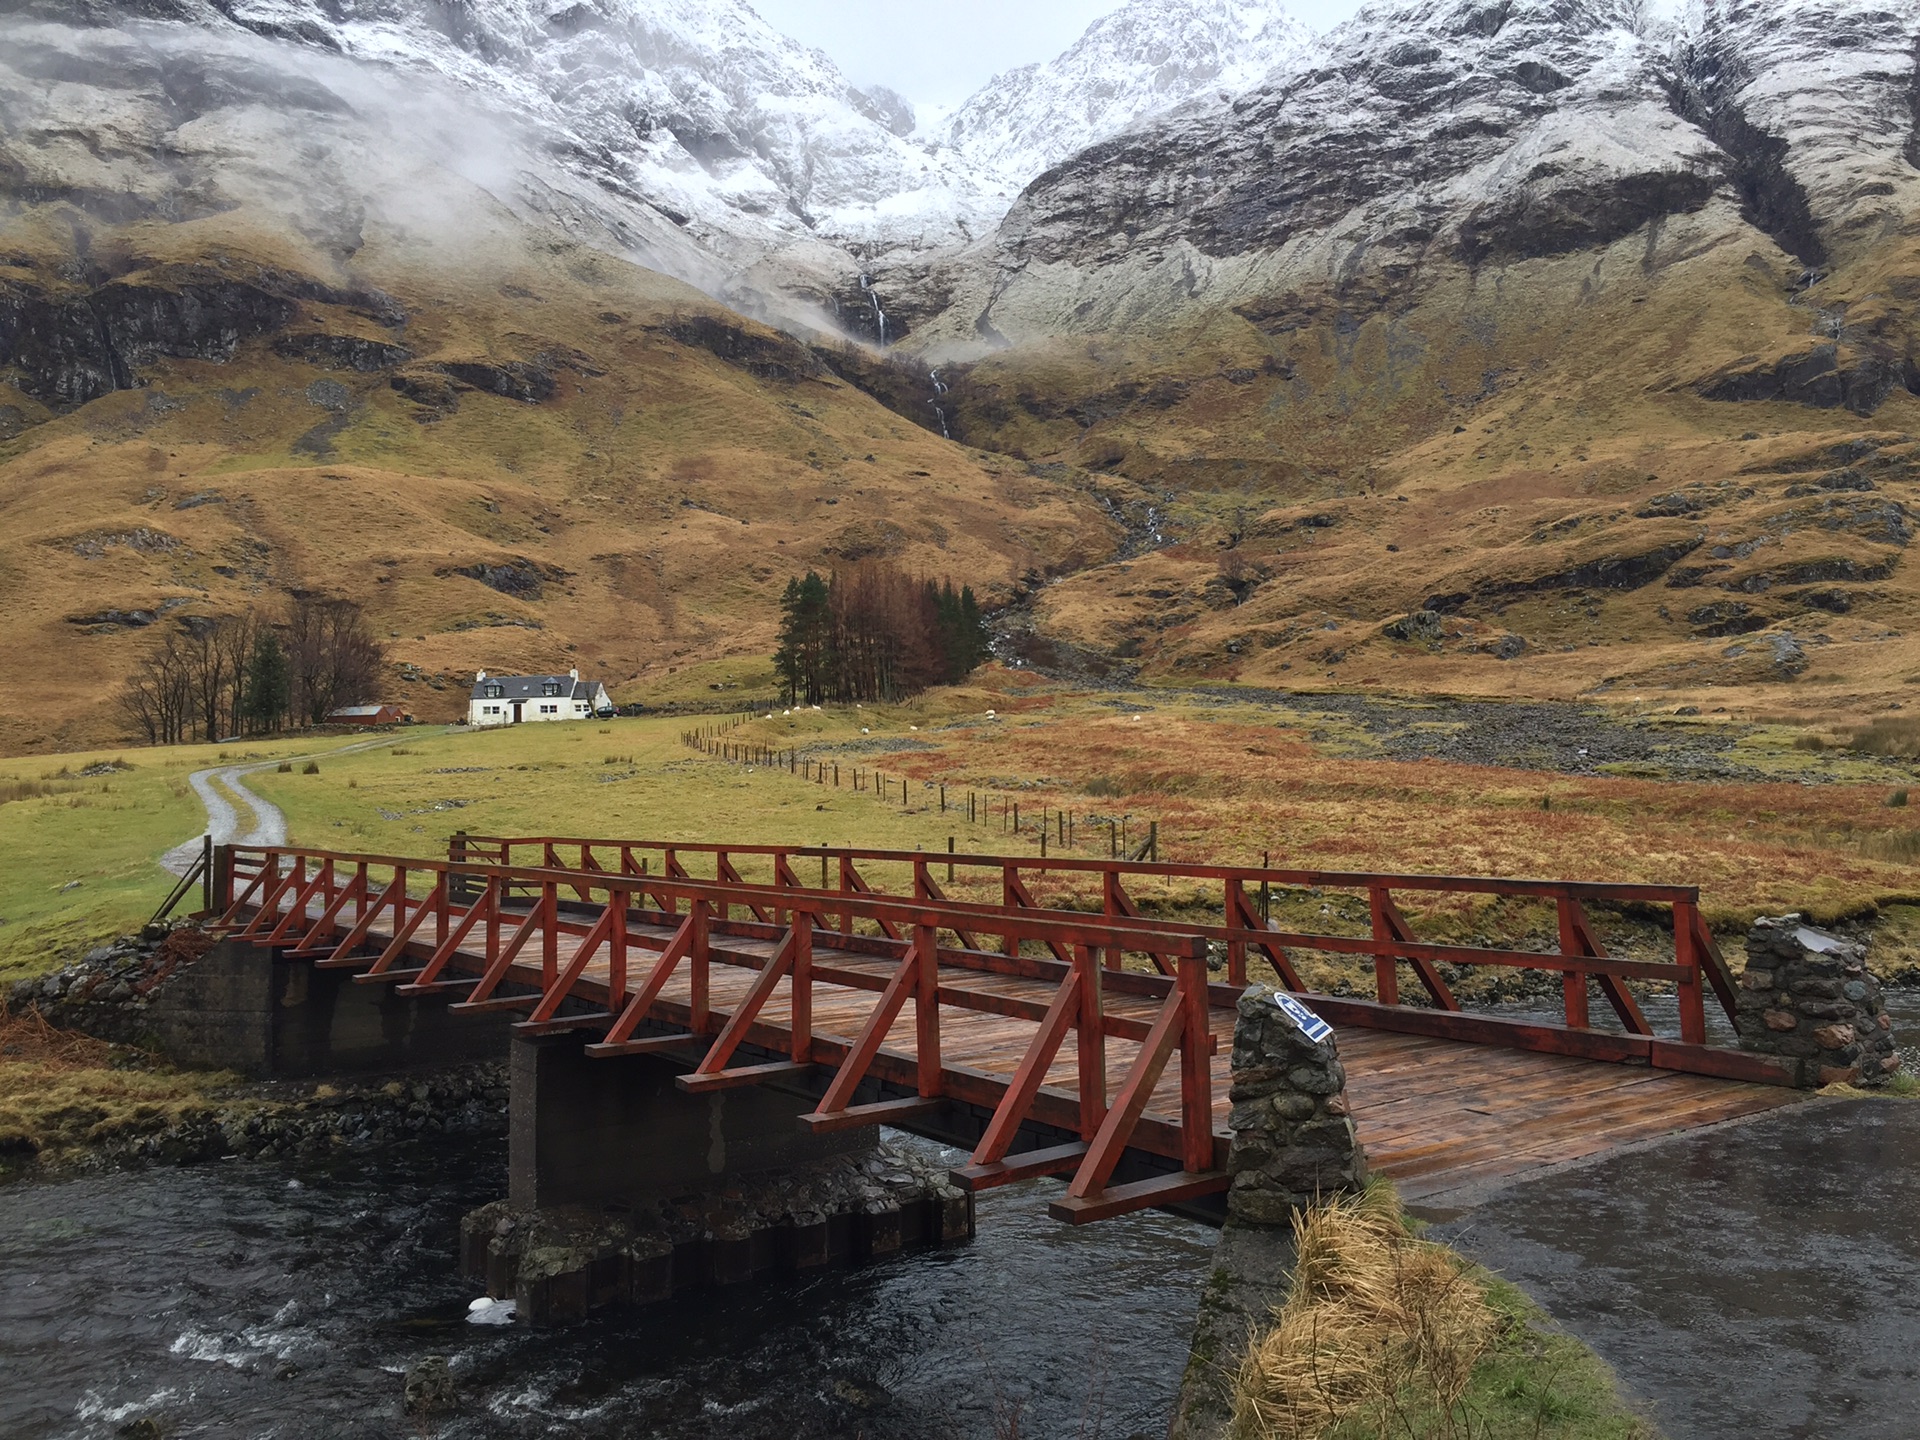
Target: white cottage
(524,699)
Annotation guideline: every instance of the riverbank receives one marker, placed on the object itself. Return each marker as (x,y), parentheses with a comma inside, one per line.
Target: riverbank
(73,1104)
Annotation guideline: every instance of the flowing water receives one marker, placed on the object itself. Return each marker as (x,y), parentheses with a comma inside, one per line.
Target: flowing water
(259,1299)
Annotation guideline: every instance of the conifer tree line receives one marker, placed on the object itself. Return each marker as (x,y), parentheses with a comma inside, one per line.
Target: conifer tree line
(874,632)
(251,674)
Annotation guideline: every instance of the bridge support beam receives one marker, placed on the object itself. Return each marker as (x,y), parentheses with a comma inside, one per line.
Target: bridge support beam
(591,1132)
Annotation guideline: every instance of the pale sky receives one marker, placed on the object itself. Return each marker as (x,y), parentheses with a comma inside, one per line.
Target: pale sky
(938,52)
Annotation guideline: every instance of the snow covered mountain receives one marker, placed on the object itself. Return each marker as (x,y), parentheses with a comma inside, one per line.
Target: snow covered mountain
(1183,152)
(1438,137)
(1145,58)
(688,134)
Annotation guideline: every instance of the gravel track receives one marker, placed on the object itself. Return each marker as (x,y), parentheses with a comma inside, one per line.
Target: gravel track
(268,823)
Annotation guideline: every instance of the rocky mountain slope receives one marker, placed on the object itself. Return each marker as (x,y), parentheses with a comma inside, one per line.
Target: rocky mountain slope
(1493,345)
(1490,319)
(1144,58)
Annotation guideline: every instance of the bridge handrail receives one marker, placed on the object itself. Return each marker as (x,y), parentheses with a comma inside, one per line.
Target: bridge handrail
(1038,925)
(281,884)
(1623,892)
(1696,967)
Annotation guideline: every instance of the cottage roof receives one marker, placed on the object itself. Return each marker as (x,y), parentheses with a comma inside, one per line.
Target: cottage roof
(534,687)
(355,711)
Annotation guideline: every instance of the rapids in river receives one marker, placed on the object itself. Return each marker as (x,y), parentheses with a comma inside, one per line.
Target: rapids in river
(267,1299)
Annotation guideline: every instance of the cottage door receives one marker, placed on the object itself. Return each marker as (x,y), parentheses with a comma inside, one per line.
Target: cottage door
(516,712)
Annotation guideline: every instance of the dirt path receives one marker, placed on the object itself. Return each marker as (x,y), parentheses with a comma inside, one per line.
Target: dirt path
(267,822)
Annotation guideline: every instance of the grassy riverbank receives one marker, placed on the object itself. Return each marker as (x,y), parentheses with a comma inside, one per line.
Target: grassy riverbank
(1382,1333)
(64,1096)
(83,835)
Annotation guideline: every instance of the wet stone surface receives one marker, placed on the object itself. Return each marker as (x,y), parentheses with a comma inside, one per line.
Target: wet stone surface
(1756,1280)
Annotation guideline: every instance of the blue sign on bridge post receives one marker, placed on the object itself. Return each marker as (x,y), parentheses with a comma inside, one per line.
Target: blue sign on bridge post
(1311,1025)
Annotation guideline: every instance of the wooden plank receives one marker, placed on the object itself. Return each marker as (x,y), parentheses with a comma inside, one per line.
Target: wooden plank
(741,1077)
(1139,1195)
(563,1024)
(1725,1064)
(651,1045)
(1054,1160)
(883,1112)
(495,1002)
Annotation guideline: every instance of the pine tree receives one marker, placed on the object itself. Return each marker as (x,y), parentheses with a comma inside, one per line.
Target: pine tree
(269,684)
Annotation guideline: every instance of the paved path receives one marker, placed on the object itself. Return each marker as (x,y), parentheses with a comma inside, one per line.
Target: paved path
(1759,1280)
(267,823)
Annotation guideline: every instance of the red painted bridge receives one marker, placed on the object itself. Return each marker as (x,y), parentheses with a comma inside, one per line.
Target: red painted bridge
(1050,1037)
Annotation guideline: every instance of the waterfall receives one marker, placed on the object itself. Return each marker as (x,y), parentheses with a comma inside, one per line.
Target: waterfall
(939,390)
(879,315)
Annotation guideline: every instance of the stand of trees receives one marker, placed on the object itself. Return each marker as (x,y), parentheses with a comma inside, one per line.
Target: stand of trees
(248,675)
(875,633)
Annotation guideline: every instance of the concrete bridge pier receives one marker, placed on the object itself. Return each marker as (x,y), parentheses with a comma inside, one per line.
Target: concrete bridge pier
(625,1189)
(597,1132)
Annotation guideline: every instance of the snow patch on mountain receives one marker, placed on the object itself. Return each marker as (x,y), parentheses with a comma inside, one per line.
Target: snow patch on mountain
(1144,59)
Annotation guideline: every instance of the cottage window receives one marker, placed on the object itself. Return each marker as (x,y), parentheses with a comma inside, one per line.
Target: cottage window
(552,687)
(496,692)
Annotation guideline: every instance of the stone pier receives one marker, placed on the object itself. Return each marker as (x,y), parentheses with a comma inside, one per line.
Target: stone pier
(1809,998)
(1293,1144)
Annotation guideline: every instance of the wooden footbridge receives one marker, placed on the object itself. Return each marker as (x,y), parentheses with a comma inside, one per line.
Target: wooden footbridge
(983,1001)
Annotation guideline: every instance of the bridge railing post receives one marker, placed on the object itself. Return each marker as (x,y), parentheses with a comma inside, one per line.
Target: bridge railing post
(619,900)
(1196,1068)
(801,987)
(1573,983)
(496,886)
(549,933)
(1234,909)
(1386,969)
(926,1009)
(1113,904)
(1092,1048)
(698,958)
(399,897)
(220,878)
(1690,992)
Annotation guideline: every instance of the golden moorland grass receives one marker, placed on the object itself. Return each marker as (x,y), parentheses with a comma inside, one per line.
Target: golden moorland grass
(1384,1334)
(1505,446)
(1301,470)
(1226,782)
(651,509)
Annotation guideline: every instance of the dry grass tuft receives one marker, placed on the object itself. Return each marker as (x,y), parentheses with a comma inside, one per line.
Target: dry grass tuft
(1887,735)
(62,1092)
(1378,1327)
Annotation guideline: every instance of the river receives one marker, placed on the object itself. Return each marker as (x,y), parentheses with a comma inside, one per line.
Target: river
(257,1299)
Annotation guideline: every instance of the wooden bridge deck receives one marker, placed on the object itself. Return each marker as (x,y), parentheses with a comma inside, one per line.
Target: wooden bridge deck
(1434,1114)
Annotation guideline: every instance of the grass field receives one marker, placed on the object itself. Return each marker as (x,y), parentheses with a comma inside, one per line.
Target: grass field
(1225,782)
(83,835)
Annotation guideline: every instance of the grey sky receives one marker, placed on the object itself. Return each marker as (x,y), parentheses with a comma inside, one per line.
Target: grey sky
(936,52)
